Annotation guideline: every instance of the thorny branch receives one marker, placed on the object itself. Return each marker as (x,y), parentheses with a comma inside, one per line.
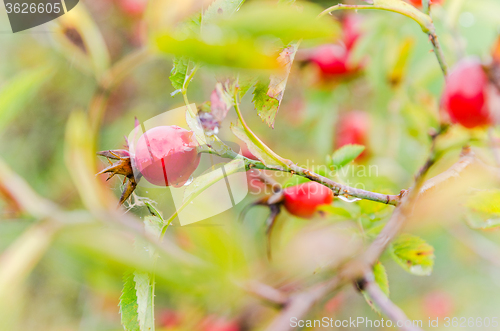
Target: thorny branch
(387,306)
(360,270)
(337,188)
(425,22)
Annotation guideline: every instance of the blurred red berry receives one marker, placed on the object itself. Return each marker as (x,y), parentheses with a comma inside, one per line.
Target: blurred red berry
(418,3)
(304,199)
(214,323)
(438,304)
(167,155)
(353,128)
(255,185)
(246,153)
(331,59)
(169,318)
(464,95)
(133,7)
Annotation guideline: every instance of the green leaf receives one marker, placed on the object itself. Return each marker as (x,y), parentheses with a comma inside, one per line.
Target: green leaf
(413,254)
(258,148)
(179,73)
(381,277)
(266,106)
(482,221)
(267,101)
(152,209)
(487,201)
(344,155)
(128,304)
(382,281)
(245,84)
(235,53)
(284,22)
(15,94)
(144,296)
(335,211)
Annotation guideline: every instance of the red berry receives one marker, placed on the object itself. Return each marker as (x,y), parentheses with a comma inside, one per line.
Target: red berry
(418,3)
(169,318)
(353,128)
(303,200)
(133,7)
(331,59)
(167,155)
(464,96)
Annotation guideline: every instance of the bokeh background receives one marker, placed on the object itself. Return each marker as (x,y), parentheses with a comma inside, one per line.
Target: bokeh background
(73,278)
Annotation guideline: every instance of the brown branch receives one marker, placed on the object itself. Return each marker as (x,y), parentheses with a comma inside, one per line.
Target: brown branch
(388,307)
(300,303)
(360,270)
(337,188)
(466,159)
(265,292)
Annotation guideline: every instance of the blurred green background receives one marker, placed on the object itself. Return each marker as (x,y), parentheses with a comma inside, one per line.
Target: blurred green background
(76,284)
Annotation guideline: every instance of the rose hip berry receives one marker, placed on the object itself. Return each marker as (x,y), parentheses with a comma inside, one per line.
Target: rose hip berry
(167,155)
(304,199)
(331,59)
(353,129)
(464,95)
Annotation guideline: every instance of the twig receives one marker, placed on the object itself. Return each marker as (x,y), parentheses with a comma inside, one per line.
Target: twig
(265,292)
(360,270)
(438,51)
(300,303)
(466,159)
(425,7)
(388,307)
(425,22)
(337,188)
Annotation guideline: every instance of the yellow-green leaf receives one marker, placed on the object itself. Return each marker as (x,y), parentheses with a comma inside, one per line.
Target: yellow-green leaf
(236,53)
(413,254)
(381,277)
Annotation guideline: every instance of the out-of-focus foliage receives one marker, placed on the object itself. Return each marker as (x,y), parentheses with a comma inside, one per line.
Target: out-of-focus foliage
(71,278)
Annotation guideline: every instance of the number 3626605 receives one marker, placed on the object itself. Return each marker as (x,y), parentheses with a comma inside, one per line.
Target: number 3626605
(32,8)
